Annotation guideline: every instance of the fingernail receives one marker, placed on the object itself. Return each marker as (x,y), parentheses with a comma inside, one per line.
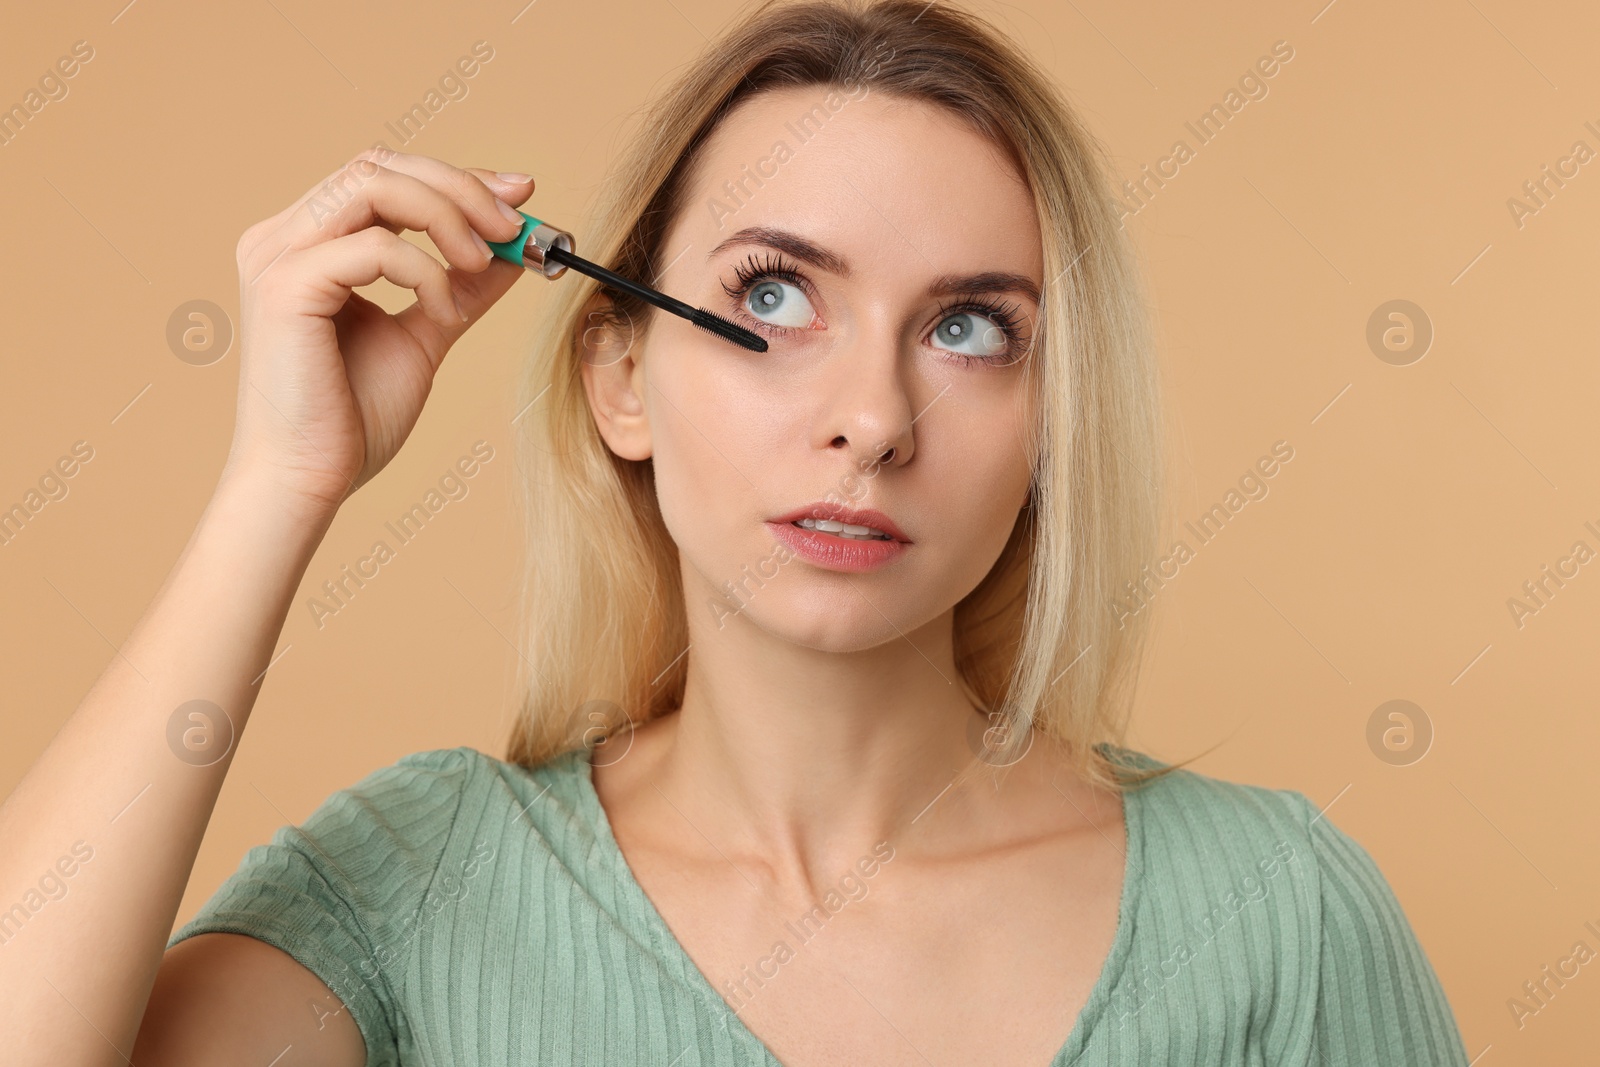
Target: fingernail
(483,246)
(511,213)
(513,178)
(459,309)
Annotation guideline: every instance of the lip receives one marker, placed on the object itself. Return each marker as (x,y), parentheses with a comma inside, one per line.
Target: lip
(835,553)
(839,513)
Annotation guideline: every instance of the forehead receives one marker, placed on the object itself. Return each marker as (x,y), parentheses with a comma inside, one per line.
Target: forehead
(896,187)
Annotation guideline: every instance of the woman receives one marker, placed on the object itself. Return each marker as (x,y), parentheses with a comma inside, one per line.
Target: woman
(818,761)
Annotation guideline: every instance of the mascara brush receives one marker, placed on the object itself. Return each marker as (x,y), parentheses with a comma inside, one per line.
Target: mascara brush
(547,251)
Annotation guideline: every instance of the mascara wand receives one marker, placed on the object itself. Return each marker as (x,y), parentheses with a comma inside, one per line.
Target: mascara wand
(547,251)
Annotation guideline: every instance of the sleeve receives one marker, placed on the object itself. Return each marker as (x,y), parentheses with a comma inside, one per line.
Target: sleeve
(1379,1001)
(336,891)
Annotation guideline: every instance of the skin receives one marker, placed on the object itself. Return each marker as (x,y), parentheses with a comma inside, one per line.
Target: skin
(823,717)
(983,935)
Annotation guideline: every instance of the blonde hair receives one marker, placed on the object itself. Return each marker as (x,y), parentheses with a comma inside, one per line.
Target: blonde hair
(1037,644)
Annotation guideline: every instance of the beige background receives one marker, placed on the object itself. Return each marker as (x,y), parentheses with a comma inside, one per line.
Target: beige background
(1419,499)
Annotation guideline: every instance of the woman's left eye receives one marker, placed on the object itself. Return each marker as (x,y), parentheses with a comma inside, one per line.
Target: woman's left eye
(779,303)
(974,334)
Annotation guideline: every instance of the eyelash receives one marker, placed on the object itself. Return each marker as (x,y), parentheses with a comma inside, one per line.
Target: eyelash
(752,271)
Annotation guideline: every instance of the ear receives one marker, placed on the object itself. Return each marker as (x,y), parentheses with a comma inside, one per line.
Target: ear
(613,376)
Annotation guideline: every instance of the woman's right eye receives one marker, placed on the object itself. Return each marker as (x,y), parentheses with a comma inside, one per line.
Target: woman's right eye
(779,303)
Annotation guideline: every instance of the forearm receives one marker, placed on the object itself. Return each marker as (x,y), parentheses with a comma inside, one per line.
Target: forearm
(131,788)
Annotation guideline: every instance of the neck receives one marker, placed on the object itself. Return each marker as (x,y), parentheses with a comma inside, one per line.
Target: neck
(806,759)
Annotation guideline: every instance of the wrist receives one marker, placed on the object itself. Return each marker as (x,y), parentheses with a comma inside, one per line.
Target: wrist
(275,499)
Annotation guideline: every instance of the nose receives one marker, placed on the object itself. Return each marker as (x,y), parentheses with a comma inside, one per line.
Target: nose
(864,458)
(869,413)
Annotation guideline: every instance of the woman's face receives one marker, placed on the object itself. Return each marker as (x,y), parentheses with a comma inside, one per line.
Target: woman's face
(911,333)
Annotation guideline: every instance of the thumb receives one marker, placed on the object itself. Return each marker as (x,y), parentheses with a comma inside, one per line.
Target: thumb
(476,293)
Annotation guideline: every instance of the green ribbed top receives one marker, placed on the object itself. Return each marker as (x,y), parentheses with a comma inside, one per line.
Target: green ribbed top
(472,911)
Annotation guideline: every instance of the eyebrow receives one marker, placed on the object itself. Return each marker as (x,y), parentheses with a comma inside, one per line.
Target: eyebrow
(807,251)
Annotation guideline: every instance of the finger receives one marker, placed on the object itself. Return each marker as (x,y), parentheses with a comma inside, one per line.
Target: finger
(336,267)
(388,198)
(506,188)
(488,214)
(338,186)
(476,293)
(344,201)
(332,189)
(476,199)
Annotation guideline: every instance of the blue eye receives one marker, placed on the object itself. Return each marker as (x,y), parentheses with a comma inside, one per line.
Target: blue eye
(779,303)
(772,293)
(974,331)
(973,335)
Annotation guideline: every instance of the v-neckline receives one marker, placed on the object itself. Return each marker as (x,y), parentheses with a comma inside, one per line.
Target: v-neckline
(1093,1008)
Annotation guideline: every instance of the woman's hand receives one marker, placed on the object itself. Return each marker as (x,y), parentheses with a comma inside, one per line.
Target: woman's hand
(330,384)
(329,387)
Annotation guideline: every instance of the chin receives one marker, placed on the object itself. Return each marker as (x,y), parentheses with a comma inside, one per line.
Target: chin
(834,620)
(833,635)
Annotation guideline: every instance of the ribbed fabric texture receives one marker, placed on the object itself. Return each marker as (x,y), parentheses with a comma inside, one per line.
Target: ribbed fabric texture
(471,911)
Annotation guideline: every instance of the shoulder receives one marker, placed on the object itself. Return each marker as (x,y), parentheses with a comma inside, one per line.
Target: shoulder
(408,806)
(355,890)
(432,802)
(1202,823)
(435,785)
(363,854)
(388,829)
(433,773)
(1234,859)
(1256,861)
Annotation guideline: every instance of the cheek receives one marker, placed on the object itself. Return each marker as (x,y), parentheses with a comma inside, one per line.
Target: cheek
(713,446)
(981,501)
(982,470)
